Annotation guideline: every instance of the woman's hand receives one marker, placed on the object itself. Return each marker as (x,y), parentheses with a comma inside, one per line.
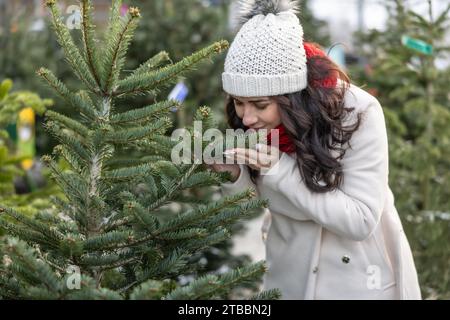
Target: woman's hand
(263,158)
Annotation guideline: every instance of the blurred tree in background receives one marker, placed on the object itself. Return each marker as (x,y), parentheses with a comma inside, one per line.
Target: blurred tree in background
(416,101)
(27,42)
(314,29)
(22,186)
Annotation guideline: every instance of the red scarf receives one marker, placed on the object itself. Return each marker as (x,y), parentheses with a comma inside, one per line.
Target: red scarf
(285,142)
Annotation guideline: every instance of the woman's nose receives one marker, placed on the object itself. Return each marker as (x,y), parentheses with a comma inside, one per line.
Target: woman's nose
(249,118)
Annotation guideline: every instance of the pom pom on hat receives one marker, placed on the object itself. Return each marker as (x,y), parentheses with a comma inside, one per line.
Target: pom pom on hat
(251,8)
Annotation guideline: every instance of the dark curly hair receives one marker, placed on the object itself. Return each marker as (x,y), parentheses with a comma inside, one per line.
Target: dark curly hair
(313,119)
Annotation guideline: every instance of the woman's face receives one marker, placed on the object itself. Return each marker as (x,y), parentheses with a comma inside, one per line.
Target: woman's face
(257,112)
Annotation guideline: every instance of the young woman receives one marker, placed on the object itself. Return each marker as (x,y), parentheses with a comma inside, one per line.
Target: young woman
(335,232)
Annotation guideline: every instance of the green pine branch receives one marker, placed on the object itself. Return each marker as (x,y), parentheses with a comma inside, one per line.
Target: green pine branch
(144,82)
(147,113)
(152,63)
(132,134)
(216,286)
(69,123)
(72,54)
(87,31)
(116,47)
(60,88)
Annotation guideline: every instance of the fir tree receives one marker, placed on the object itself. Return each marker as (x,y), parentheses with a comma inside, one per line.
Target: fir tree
(107,231)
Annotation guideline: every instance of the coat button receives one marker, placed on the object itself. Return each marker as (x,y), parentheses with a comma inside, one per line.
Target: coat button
(315,269)
(345,259)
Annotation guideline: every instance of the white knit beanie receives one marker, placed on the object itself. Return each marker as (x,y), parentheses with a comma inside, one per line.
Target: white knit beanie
(267,57)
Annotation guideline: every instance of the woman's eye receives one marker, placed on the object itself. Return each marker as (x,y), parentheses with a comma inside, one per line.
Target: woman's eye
(262,107)
(238,103)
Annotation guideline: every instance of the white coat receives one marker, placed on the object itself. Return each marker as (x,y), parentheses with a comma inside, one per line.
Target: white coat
(345,244)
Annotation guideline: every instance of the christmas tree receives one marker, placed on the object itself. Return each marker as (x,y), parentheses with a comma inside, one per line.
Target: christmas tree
(111,238)
(414,94)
